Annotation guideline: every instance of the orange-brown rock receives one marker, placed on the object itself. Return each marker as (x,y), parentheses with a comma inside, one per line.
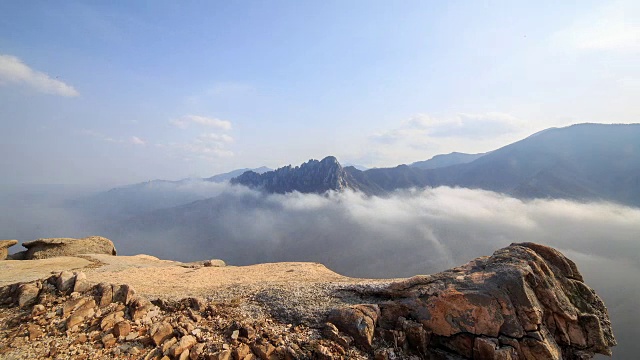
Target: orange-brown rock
(526,301)
(359,321)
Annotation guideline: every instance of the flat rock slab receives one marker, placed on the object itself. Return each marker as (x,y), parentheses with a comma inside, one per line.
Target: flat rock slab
(167,279)
(15,271)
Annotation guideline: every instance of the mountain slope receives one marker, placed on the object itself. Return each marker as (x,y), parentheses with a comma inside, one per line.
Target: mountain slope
(583,162)
(444,160)
(231,174)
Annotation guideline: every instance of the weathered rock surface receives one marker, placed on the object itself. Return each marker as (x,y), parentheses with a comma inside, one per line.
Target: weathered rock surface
(526,301)
(4,247)
(54,247)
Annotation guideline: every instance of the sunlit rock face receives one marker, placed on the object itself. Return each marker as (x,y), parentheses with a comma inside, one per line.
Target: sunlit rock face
(526,301)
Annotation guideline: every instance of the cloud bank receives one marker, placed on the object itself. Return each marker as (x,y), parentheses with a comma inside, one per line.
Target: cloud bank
(408,233)
(14,71)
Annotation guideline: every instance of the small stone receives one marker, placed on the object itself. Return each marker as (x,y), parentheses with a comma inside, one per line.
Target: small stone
(123,294)
(241,351)
(110,320)
(71,305)
(65,281)
(167,345)
(27,294)
(38,310)
(263,351)
(121,329)
(108,340)
(34,332)
(105,293)
(160,332)
(81,284)
(81,339)
(196,351)
(247,332)
(321,353)
(185,343)
(221,355)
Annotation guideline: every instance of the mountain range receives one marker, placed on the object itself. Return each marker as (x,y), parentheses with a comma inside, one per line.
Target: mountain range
(580,162)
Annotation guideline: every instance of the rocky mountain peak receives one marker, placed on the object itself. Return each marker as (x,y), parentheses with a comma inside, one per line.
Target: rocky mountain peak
(312,176)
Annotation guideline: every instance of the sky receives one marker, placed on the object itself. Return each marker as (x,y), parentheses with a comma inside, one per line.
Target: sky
(116,92)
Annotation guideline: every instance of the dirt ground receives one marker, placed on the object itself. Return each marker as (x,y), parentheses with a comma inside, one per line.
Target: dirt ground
(154,277)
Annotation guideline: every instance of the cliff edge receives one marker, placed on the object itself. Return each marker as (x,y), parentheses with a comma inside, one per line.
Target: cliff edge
(526,301)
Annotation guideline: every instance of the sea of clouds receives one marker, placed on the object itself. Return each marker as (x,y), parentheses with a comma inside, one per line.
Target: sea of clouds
(409,232)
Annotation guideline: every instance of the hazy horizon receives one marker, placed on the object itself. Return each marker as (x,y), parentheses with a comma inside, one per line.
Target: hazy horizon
(95,95)
(406,233)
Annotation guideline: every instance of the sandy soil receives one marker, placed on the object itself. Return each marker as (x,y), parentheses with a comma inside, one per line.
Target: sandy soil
(153,277)
(14,271)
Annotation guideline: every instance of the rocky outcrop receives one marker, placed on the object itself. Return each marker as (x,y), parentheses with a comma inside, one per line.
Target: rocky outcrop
(54,247)
(526,301)
(47,319)
(4,247)
(311,177)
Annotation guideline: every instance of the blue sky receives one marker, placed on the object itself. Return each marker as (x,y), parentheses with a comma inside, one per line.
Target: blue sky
(115,92)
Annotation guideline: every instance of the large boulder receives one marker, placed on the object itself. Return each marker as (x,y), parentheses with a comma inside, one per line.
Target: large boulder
(4,247)
(526,301)
(54,247)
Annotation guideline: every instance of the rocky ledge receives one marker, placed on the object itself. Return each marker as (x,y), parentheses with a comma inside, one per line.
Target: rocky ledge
(526,301)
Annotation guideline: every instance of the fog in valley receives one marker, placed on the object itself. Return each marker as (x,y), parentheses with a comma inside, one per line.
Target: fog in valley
(407,233)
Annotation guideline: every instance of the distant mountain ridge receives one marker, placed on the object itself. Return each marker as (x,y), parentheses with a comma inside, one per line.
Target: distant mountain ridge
(311,177)
(580,162)
(231,174)
(444,160)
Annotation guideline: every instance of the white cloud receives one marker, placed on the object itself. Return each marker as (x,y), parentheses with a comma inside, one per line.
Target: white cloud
(136,141)
(613,26)
(14,71)
(186,120)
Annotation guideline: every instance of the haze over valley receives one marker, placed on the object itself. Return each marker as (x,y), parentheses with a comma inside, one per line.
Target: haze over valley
(381,141)
(327,215)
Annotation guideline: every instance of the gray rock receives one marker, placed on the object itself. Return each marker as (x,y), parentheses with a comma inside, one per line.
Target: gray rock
(214,263)
(359,321)
(4,247)
(28,294)
(54,247)
(81,284)
(65,281)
